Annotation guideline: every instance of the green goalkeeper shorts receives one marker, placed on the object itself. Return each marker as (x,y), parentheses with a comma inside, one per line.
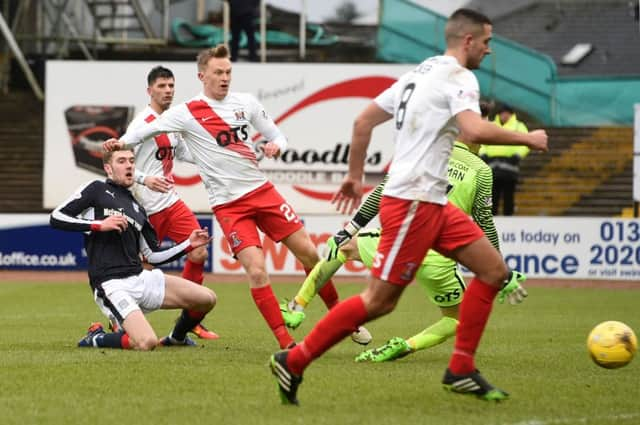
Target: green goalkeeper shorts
(438,275)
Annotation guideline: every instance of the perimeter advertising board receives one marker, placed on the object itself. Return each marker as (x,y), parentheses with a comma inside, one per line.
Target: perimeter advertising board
(556,248)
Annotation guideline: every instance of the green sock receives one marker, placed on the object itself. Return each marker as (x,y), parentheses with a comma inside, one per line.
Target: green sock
(435,334)
(319,275)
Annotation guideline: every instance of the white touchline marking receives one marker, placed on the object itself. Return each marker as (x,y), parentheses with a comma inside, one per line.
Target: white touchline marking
(583,420)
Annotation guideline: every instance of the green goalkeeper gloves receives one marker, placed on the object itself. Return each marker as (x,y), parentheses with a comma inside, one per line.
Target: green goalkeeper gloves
(513,291)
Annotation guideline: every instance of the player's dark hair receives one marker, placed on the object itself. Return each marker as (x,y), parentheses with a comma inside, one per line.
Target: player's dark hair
(158,72)
(470,15)
(464,21)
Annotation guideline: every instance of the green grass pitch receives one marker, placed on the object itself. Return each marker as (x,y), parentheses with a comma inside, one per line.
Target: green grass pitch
(536,351)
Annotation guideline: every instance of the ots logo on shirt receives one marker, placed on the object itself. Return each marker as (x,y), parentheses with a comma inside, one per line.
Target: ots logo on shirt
(235,135)
(165,153)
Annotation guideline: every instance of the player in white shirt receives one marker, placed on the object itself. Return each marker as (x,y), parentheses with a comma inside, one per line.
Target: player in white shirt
(430,106)
(168,214)
(215,126)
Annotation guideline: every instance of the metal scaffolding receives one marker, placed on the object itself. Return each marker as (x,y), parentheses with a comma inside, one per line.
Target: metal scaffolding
(47,28)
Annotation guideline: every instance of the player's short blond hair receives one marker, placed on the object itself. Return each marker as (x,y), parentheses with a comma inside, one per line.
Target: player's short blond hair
(219,51)
(106,156)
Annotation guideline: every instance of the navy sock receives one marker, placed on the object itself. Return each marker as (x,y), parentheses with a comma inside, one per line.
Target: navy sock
(186,322)
(111,340)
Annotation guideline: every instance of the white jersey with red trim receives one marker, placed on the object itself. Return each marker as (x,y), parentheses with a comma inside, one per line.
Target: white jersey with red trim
(424,103)
(217,135)
(156,159)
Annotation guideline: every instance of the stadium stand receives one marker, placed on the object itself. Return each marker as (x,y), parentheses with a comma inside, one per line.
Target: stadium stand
(21,151)
(586,173)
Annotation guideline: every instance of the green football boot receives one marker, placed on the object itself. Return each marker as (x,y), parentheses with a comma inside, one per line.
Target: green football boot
(394,349)
(292,318)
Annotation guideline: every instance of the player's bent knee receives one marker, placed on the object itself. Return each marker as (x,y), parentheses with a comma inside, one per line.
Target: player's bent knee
(146,343)
(495,276)
(210,300)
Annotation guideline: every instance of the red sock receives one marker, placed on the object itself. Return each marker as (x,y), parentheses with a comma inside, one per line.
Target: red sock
(196,315)
(474,315)
(268,305)
(339,322)
(328,293)
(193,271)
(124,342)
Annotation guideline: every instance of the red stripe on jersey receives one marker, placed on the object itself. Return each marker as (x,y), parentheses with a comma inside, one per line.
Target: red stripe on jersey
(162,141)
(217,127)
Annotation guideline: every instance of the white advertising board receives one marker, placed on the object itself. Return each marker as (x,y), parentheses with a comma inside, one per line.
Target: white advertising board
(560,248)
(554,248)
(582,248)
(279,259)
(314,105)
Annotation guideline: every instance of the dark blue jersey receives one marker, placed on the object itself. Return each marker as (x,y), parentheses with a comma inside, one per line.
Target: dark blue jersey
(112,254)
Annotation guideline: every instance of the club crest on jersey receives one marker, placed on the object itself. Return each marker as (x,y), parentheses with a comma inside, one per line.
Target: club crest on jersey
(234,240)
(407,274)
(473,95)
(239,114)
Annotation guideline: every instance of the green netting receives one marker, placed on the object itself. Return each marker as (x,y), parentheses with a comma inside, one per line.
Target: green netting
(512,73)
(205,35)
(596,101)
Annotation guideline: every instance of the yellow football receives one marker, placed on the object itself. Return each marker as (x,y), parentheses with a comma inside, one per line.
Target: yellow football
(612,344)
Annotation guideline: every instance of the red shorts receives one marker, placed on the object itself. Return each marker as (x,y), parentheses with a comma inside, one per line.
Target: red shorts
(410,229)
(263,208)
(177,222)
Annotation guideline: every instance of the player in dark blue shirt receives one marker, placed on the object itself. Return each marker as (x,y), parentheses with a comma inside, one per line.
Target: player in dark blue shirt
(117,232)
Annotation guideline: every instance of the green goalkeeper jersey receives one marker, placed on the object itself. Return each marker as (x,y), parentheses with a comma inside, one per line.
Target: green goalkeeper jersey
(470,187)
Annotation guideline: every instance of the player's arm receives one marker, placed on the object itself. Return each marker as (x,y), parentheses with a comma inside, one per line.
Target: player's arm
(182,151)
(350,193)
(67,216)
(155,183)
(481,210)
(477,130)
(371,205)
(262,122)
(171,121)
(150,247)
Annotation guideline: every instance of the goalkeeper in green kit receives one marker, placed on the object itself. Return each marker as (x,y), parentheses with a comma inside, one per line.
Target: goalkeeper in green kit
(470,183)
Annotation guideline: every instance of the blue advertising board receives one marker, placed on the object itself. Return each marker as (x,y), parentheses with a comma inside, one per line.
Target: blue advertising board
(27,242)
